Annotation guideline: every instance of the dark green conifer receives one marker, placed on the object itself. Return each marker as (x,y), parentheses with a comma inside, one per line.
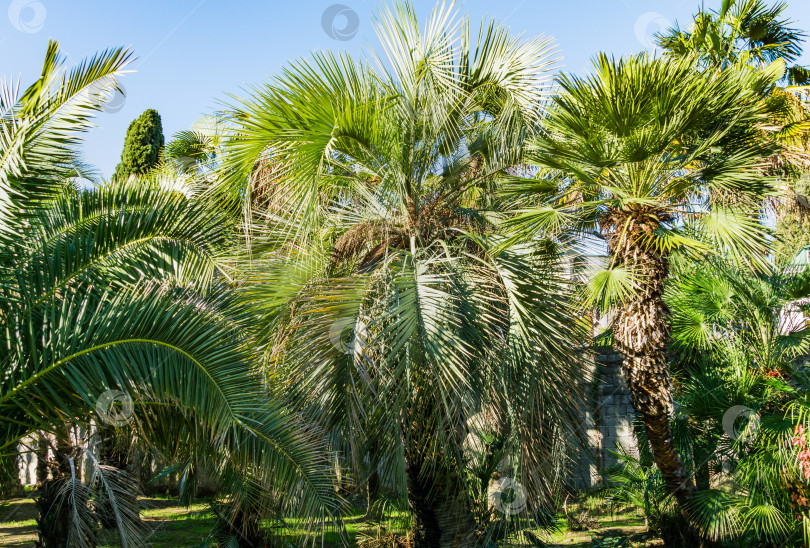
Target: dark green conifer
(142,147)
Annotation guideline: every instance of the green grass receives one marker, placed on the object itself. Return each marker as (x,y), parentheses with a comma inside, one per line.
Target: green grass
(174,526)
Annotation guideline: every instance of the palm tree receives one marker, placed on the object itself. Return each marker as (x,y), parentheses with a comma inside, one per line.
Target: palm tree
(736,341)
(647,155)
(749,33)
(395,315)
(740,32)
(120,288)
(197,150)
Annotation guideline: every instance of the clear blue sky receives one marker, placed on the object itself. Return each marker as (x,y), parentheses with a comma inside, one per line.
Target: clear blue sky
(192,53)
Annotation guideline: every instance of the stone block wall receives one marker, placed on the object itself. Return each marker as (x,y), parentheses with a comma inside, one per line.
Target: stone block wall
(608,419)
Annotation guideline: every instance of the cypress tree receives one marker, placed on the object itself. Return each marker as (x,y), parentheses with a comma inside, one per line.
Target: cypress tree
(142,146)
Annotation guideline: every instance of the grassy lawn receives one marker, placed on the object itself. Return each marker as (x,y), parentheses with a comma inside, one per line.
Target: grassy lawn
(174,526)
(171,525)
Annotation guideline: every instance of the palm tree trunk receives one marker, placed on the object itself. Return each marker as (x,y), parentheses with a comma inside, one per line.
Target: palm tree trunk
(440,507)
(42,457)
(641,333)
(10,485)
(114,451)
(53,521)
(373,495)
(245,527)
(373,510)
(442,516)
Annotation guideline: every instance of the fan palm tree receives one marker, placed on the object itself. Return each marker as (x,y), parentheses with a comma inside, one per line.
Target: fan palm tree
(740,32)
(750,33)
(119,288)
(646,154)
(197,150)
(394,316)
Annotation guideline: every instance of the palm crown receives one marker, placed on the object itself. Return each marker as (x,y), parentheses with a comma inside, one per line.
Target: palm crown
(740,32)
(395,318)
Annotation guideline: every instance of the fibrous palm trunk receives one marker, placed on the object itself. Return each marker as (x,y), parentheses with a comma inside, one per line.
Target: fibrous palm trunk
(641,333)
(442,515)
(53,521)
(113,451)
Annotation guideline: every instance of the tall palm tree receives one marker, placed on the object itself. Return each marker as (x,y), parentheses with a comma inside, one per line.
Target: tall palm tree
(394,315)
(119,288)
(649,157)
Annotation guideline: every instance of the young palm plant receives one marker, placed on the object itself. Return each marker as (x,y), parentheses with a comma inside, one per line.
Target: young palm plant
(641,154)
(393,313)
(118,288)
(738,340)
(737,343)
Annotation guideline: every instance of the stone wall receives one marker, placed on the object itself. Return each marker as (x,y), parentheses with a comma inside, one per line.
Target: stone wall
(608,419)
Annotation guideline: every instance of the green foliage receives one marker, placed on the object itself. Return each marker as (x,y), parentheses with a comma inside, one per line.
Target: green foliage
(120,288)
(636,482)
(142,147)
(650,156)
(611,542)
(736,340)
(791,236)
(651,137)
(400,296)
(197,150)
(791,227)
(741,31)
(748,35)
(395,313)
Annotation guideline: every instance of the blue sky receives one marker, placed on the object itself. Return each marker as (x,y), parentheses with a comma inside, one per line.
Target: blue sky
(193,53)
